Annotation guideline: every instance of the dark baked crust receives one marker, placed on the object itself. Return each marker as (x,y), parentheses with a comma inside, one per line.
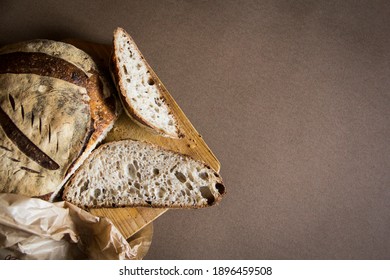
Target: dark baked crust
(42,64)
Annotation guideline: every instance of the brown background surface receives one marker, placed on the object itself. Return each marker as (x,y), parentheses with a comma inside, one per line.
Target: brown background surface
(293,97)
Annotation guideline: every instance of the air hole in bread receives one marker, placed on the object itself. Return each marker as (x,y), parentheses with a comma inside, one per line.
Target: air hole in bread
(203,176)
(220,188)
(137,185)
(189,186)
(150,81)
(85,186)
(136,163)
(156,171)
(128,80)
(172,168)
(131,170)
(206,193)
(180,176)
(157,101)
(138,66)
(97,192)
(125,69)
(139,176)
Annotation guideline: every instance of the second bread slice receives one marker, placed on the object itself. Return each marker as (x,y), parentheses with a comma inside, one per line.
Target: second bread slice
(133,173)
(141,92)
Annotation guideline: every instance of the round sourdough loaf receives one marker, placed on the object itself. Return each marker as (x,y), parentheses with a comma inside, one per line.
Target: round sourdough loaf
(55,107)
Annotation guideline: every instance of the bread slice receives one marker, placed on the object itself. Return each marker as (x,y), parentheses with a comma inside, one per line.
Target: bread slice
(133,173)
(49,64)
(141,91)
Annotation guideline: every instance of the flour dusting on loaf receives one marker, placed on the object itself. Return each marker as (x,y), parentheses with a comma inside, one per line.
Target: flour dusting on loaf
(44,126)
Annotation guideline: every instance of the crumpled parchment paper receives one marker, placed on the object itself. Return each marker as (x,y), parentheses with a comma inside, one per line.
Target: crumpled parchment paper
(31,228)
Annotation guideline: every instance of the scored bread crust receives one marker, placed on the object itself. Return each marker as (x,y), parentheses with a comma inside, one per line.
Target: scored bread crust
(63,61)
(102,102)
(44,126)
(130,173)
(123,73)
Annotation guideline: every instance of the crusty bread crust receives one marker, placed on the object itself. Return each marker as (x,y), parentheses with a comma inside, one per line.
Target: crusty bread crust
(55,49)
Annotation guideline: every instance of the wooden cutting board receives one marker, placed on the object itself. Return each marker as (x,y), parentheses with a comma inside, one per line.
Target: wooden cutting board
(131,220)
